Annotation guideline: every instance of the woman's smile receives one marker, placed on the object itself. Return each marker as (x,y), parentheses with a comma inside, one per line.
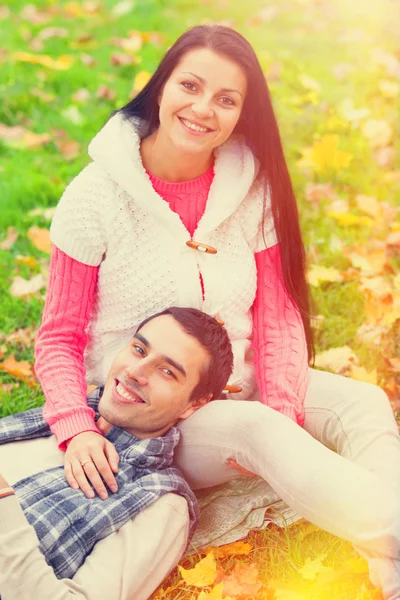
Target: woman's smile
(193,128)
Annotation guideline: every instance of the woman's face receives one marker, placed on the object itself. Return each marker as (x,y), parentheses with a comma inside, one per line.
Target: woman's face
(201,101)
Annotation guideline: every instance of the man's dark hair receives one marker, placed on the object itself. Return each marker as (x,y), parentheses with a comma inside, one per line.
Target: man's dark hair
(214,338)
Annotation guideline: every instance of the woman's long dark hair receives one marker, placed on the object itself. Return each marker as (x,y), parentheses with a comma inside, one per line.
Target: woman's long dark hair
(259,127)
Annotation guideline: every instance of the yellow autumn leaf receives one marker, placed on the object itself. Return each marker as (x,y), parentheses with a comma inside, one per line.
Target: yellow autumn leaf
(215,594)
(203,574)
(318,274)
(11,238)
(20,370)
(361,374)
(282,594)
(325,155)
(26,287)
(378,132)
(234,549)
(29,261)
(309,83)
(389,89)
(312,568)
(141,79)
(40,238)
(357,565)
(347,219)
(369,205)
(369,263)
(337,360)
(62,63)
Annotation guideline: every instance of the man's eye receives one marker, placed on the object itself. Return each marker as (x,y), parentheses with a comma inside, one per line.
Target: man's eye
(168,372)
(189,86)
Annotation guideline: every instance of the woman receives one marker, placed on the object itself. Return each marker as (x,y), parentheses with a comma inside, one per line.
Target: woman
(189,202)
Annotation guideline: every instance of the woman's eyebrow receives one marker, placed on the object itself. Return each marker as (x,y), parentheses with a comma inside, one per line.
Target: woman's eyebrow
(167,359)
(204,81)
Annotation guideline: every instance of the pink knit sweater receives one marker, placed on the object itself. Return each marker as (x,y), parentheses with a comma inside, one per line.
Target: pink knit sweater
(278,335)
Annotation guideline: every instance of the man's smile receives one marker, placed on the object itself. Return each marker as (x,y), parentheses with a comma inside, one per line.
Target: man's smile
(124,395)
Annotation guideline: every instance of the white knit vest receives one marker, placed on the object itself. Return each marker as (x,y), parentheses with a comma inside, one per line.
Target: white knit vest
(110,215)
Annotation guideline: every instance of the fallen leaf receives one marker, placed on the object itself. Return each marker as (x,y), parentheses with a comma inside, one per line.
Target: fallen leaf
(120,59)
(73,114)
(312,568)
(19,137)
(40,238)
(309,83)
(141,80)
(45,34)
(315,192)
(22,337)
(243,582)
(62,63)
(369,205)
(385,156)
(382,58)
(81,95)
(378,132)
(371,334)
(46,213)
(361,374)
(393,239)
(318,274)
(70,149)
(378,287)
(337,360)
(202,574)
(132,44)
(33,15)
(42,95)
(233,549)
(342,71)
(4,13)
(348,111)
(11,238)
(325,155)
(357,565)
(389,89)
(122,8)
(348,220)
(28,261)
(26,287)
(395,364)
(105,93)
(369,263)
(20,370)
(88,60)
(215,594)
(282,594)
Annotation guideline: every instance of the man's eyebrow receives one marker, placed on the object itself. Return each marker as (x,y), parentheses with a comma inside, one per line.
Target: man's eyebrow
(167,359)
(203,82)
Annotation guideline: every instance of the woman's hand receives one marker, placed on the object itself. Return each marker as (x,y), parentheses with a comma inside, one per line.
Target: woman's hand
(89,459)
(232,464)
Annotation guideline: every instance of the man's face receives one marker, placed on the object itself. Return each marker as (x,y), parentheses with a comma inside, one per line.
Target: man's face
(151,380)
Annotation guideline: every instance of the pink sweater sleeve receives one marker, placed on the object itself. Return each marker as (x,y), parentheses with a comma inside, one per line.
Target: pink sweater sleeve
(280,349)
(59,346)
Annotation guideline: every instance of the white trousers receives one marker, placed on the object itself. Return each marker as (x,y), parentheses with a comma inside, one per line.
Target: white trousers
(341,472)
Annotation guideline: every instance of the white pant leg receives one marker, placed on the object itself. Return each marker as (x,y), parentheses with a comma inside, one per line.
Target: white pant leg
(334,493)
(355,419)
(126,565)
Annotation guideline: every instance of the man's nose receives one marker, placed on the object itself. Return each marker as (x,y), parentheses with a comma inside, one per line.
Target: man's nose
(139,373)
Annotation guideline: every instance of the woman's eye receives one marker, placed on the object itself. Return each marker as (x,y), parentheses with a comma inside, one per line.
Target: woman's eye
(229,102)
(189,86)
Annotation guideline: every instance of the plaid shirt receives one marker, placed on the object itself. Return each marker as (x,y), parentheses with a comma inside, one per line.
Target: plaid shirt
(67,523)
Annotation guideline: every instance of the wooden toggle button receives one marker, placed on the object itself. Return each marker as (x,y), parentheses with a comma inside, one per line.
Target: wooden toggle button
(220,322)
(232,389)
(201,247)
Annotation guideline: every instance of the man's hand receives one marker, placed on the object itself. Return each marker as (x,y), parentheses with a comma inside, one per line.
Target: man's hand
(3,483)
(89,456)
(232,464)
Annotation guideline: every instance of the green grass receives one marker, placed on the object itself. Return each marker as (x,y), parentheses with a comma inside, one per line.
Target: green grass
(305,37)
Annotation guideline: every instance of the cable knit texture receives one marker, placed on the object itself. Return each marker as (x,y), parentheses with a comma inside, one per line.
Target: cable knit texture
(60,343)
(136,247)
(280,349)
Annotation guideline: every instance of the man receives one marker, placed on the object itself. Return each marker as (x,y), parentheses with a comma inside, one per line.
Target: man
(177,361)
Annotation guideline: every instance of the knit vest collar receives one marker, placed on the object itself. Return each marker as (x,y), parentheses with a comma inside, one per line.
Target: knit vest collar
(116,149)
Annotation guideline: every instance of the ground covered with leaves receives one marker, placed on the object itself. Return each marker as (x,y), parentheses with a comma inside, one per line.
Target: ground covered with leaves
(333,68)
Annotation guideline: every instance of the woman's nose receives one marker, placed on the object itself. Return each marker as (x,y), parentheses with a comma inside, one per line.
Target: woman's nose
(202,109)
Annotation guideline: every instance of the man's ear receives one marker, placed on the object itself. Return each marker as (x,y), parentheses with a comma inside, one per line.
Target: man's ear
(195,406)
